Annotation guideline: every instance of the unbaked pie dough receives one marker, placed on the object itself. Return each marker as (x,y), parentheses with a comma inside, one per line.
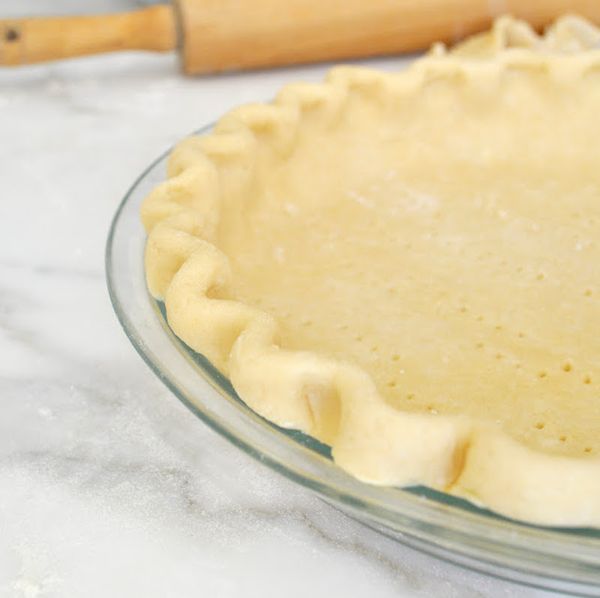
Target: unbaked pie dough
(407,267)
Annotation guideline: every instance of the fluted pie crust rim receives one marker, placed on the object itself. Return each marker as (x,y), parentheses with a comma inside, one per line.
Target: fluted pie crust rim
(333,401)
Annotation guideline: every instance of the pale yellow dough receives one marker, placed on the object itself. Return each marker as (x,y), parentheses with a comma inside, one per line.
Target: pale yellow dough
(407,267)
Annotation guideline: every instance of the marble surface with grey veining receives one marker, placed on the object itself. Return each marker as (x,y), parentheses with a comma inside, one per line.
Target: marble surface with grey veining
(109,487)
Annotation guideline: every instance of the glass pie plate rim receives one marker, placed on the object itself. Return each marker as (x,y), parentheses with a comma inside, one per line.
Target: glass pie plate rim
(559,559)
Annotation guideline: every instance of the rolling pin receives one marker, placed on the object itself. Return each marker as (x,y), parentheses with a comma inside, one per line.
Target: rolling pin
(218,35)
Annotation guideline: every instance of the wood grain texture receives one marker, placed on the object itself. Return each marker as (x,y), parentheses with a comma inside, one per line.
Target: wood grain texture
(30,40)
(236,34)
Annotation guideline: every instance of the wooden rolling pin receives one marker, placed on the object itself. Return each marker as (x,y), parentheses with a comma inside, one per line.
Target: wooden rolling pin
(217,35)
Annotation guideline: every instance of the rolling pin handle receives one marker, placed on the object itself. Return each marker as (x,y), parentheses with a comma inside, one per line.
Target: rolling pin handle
(31,40)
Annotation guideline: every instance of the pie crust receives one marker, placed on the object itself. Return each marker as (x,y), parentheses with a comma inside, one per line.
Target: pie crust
(406,267)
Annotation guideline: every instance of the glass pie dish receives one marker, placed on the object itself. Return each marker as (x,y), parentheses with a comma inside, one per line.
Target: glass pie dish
(566,560)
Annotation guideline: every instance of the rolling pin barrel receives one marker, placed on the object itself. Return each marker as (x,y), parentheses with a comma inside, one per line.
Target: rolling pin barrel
(218,35)
(232,34)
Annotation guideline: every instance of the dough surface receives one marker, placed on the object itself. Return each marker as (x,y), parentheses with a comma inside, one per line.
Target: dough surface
(407,267)
(453,253)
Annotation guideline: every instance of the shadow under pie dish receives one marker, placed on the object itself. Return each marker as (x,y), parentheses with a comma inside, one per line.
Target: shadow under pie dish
(406,267)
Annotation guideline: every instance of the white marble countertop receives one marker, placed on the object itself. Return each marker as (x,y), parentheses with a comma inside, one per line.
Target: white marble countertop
(108,486)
